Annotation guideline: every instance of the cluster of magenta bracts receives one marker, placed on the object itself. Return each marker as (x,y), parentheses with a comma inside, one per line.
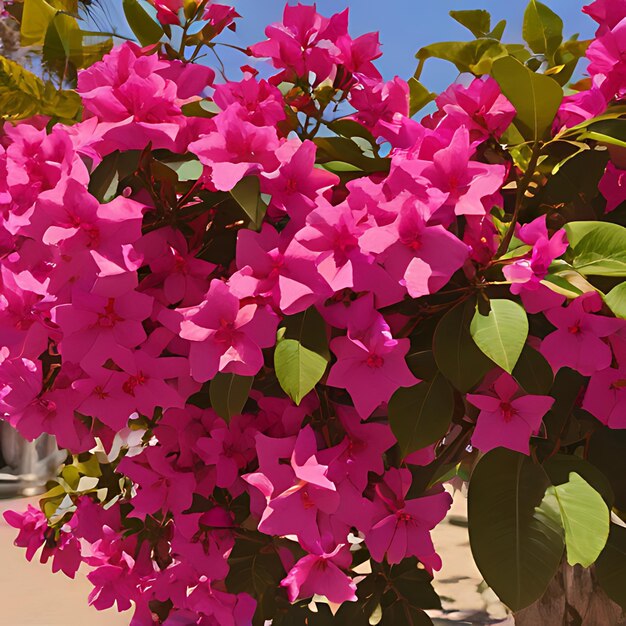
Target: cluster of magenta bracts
(109,329)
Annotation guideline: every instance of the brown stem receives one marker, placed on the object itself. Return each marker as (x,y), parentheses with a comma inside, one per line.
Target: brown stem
(519,200)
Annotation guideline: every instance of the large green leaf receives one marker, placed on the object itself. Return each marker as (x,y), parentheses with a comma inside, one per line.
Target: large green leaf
(514,527)
(247,193)
(420,96)
(611,566)
(475,56)
(616,299)
(301,354)
(542,29)
(36,18)
(255,568)
(477,21)
(143,26)
(501,335)
(585,518)
(22,95)
(421,415)
(229,393)
(458,357)
(536,98)
(611,131)
(597,248)
(560,466)
(533,373)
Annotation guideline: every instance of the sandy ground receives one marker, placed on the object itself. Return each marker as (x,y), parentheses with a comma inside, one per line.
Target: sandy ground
(30,595)
(459,583)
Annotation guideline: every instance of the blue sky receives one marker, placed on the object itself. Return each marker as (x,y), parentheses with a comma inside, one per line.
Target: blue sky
(404,26)
(407,25)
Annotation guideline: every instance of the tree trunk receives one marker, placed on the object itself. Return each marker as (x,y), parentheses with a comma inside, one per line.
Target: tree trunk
(573,598)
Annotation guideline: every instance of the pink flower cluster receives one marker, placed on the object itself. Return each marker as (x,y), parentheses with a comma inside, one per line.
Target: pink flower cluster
(113,319)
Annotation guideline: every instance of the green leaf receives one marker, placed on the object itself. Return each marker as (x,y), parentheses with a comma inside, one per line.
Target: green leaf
(458,357)
(247,194)
(301,354)
(536,98)
(113,169)
(533,373)
(611,131)
(63,41)
(36,18)
(597,248)
(501,335)
(347,151)
(514,527)
(256,568)
(560,466)
(22,95)
(421,415)
(616,299)
(611,566)
(143,26)
(542,29)
(200,108)
(187,170)
(403,613)
(229,393)
(585,518)
(498,30)
(477,21)
(475,56)
(607,452)
(420,96)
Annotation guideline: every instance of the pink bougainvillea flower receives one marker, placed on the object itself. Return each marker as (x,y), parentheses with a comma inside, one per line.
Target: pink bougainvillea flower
(303,43)
(235,149)
(219,17)
(256,101)
(226,449)
(267,268)
(613,186)
(167,10)
(467,182)
(580,107)
(357,54)
(480,107)
(294,493)
(138,382)
(422,258)
(605,397)
(528,272)
(162,486)
(507,419)
(378,102)
(136,99)
(606,66)
(295,186)
(322,575)
(178,277)
(91,324)
(32,525)
(361,452)
(333,233)
(219,607)
(371,366)
(225,336)
(402,527)
(577,341)
(608,13)
(20,383)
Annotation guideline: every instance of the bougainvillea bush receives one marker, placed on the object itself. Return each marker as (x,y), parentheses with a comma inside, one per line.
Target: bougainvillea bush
(270,318)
